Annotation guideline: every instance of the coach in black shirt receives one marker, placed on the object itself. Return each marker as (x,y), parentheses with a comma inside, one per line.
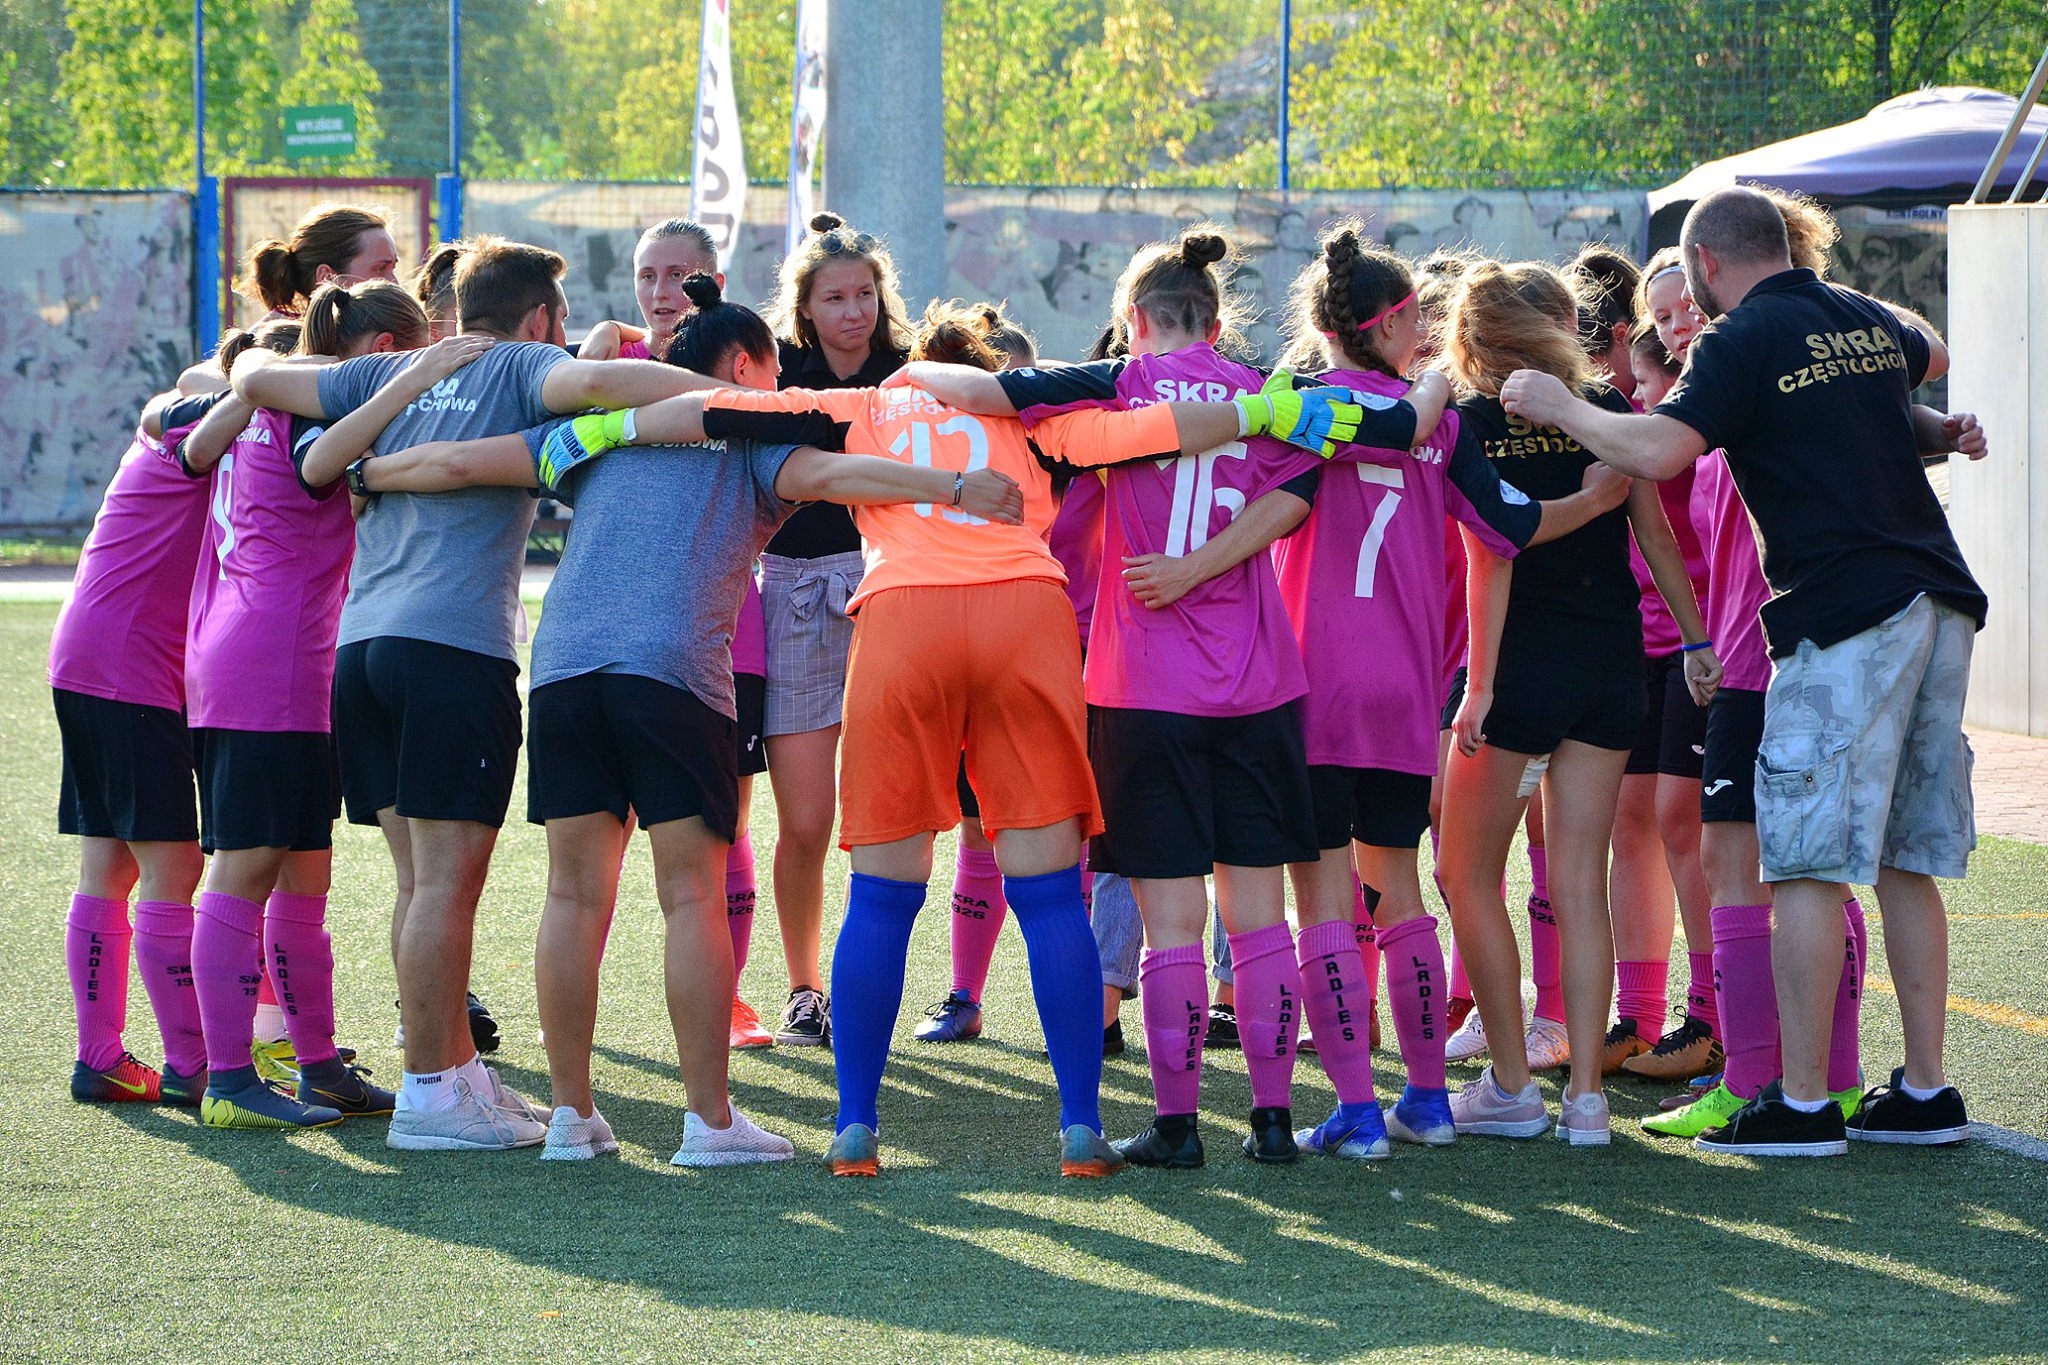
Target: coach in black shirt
(1863,774)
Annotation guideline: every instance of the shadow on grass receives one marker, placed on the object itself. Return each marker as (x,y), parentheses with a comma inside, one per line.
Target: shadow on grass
(1638,1251)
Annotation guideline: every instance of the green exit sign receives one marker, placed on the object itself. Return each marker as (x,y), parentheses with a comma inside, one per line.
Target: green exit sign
(319,130)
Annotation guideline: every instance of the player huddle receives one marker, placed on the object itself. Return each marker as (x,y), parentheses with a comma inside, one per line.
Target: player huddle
(1134,625)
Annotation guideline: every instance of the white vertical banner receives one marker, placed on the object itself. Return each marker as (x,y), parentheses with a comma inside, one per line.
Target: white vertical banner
(718,171)
(807,116)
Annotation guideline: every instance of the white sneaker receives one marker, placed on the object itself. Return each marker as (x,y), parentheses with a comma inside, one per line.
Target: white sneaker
(474,1124)
(512,1102)
(1468,1042)
(1583,1122)
(740,1143)
(1548,1045)
(571,1137)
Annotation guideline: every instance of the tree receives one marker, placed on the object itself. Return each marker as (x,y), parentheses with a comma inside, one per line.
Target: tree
(33,134)
(331,70)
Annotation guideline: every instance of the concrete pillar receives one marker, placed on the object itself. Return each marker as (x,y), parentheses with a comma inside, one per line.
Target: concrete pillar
(1998,340)
(885,136)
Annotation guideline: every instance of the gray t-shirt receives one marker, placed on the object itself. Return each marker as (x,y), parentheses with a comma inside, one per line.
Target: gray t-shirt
(444,567)
(657,562)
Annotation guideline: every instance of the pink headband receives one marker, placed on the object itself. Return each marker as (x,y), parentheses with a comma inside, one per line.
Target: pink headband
(1377,318)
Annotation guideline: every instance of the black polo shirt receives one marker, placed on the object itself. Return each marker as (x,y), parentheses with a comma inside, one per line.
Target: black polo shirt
(1573,602)
(1808,388)
(819,529)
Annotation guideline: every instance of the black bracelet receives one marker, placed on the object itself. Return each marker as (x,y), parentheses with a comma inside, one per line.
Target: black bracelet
(959,485)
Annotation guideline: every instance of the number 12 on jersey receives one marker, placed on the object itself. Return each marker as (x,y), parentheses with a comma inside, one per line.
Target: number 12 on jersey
(916,440)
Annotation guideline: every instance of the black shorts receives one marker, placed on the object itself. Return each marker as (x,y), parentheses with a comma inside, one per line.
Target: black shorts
(1535,709)
(750,699)
(1673,737)
(1183,793)
(970,804)
(618,742)
(127,771)
(427,728)
(1453,700)
(1735,731)
(1375,806)
(266,789)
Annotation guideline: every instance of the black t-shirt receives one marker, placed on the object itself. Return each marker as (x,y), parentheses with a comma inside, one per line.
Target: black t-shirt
(819,529)
(1808,387)
(1574,603)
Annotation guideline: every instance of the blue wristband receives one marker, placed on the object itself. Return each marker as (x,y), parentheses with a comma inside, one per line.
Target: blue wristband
(1689,649)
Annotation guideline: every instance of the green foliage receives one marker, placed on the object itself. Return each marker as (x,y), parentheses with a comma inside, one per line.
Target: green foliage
(331,70)
(32,132)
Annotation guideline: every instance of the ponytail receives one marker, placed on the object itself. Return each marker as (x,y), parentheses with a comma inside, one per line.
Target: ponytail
(279,275)
(279,334)
(339,316)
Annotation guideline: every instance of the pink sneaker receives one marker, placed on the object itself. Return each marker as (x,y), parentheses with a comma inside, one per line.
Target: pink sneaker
(1483,1109)
(1583,1122)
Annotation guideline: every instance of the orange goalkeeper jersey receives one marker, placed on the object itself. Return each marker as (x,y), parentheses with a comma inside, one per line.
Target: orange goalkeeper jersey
(929,544)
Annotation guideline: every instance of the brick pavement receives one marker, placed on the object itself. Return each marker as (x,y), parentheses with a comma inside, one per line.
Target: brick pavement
(2011,784)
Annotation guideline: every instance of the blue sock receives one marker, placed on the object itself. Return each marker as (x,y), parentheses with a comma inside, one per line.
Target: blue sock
(1066,975)
(867,988)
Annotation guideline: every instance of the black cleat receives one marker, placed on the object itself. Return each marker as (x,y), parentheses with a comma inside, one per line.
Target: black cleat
(1272,1136)
(1113,1038)
(1222,1028)
(1172,1143)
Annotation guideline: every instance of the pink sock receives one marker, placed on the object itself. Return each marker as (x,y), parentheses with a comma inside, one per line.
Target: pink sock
(1641,993)
(1268,1010)
(740,894)
(1545,963)
(302,970)
(1087,884)
(1845,1054)
(1699,990)
(1337,1009)
(96,938)
(1539,873)
(266,994)
(978,913)
(1368,939)
(1746,995)
(163,952)
(227,969)
(1461,984)
(1415,976)
(1173,998)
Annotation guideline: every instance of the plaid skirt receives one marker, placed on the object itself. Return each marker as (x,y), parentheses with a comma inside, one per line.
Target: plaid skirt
(803,606)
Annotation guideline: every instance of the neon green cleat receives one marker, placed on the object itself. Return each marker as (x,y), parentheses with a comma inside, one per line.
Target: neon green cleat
(1711,1110)
(276,1062)
(1851,1100)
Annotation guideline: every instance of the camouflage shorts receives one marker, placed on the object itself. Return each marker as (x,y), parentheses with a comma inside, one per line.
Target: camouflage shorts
(1863,762)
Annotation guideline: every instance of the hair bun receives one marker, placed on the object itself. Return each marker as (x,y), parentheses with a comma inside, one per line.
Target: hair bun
(1201,249)
(1341,248)
(826,222)
(703,290)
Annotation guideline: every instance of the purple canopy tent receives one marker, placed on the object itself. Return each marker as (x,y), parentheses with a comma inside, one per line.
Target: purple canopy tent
(1927,147)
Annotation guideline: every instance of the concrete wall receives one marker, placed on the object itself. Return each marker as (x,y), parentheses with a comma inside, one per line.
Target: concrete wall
(1998,311)
(95,316)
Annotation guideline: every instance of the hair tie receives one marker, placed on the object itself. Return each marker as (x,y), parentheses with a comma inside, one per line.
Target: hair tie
(1329,336)
(1377,318)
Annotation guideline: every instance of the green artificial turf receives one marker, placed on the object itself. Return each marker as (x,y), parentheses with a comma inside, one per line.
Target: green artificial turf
(130,1233)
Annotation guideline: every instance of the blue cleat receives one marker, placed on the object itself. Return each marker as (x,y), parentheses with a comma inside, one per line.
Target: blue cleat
(1353,1133)
(953,1020)
(1422,1116)
(238,1099)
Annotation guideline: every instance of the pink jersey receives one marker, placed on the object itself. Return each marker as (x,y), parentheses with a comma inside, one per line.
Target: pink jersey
(633,350)
(1225,649)
(121,634)
(267,593)
(1363,581)
(750,636)
(1736,590)
(1661,636)
(1457,626)
(1076,541)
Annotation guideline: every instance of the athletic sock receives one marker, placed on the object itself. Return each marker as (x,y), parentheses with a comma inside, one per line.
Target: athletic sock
(1914,1092)
(1065,981)
(1699,990)
(96,939)
(268,1025)
(1746,995)
(1268,1011)
(432,1091)
(1461,984)
(1338,1010)
(227,964)
(1545,960)
(301,961)
(1640,994)
(740,896)
(1415,975)
(1368,939)
(867,988)
(978,912)
(1173,999)
(1539,873)
(1845,1053)
(163,953)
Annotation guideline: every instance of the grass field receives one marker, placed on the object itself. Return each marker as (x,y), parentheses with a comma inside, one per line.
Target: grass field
(131,1234)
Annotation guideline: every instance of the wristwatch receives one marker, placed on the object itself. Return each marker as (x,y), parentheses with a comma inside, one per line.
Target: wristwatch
(354,476)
